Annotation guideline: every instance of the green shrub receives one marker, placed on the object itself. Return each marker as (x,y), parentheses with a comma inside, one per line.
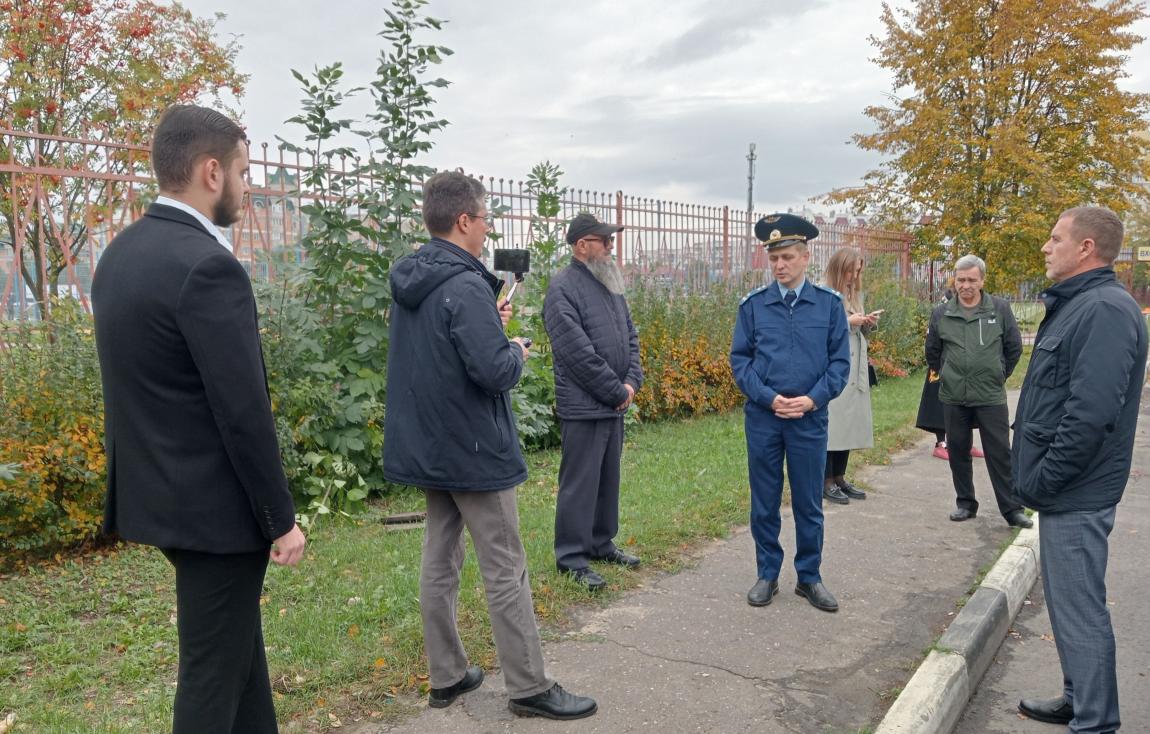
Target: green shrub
(533,399)
(897,346)
(51,433)
(685,343)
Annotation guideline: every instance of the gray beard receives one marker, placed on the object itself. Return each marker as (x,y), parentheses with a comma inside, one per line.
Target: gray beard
(608,273)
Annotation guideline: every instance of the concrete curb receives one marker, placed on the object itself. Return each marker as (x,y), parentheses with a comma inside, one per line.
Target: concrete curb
(936,696)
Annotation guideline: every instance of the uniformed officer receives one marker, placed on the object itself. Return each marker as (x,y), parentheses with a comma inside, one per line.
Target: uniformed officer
(791,356)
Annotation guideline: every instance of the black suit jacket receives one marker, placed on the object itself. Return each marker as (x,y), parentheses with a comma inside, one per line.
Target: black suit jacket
(193,461)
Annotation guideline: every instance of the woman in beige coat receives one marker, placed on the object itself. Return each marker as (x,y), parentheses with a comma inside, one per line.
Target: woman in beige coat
(851,422)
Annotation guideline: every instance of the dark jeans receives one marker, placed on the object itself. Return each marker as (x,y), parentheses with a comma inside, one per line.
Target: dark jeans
(993,422)
(837,463)
(222,686)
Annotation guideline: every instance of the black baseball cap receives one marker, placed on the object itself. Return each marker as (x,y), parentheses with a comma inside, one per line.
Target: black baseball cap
(586,224)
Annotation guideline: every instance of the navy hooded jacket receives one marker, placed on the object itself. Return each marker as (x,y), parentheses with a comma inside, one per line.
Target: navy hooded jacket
(450,366)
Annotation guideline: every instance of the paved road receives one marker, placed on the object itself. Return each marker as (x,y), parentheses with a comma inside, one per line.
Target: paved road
(1027,663)
(685,653)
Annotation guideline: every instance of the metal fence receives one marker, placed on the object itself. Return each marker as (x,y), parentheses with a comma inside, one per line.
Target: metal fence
(64,199)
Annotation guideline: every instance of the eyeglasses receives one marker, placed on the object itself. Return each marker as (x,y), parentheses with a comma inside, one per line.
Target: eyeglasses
(488,219)
(606,241)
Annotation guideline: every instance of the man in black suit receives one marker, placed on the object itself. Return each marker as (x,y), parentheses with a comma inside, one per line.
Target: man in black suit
(193,463)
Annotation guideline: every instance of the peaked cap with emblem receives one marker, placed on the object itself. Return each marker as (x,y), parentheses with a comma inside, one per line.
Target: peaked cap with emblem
(782,230)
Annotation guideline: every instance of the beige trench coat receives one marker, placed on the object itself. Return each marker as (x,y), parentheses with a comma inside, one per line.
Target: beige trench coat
(851,420)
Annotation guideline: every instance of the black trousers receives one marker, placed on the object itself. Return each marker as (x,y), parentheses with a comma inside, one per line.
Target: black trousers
(993,422)
(223,685)
(837,463)
(587,509)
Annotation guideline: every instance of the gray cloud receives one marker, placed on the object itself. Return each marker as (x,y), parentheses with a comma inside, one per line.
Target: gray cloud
(725,26)
(659,98)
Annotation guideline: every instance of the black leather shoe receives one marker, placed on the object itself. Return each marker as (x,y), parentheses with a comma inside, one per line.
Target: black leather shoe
(586,577)
(619,558)
(834,494)
(443,697)
(852,491)
(962,514)
(762,592)
(1018,519)
(818,596)
(554,703)
(1048,710)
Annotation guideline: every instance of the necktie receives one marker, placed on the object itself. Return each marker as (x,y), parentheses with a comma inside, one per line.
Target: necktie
(789,299)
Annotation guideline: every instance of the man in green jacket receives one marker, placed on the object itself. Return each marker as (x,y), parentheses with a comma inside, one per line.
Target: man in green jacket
(973,344)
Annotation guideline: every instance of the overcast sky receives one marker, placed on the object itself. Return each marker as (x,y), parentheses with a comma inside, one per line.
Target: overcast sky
(658,98)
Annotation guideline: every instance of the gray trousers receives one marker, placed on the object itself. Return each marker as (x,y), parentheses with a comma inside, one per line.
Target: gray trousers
(587,510)
(492,518)
(1074,548)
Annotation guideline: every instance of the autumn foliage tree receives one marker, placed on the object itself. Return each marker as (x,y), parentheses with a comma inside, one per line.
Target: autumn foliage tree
(91,68)
(1004,113)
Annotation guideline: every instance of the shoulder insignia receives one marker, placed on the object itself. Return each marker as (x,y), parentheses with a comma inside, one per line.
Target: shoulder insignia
(830,290)
(760,289)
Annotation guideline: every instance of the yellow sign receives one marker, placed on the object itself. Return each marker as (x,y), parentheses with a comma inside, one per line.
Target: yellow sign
(1143,253)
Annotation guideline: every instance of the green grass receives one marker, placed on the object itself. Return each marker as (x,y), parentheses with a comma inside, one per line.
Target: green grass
(88,643)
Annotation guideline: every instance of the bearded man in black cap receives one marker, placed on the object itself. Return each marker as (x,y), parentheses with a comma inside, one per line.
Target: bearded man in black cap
(597,373)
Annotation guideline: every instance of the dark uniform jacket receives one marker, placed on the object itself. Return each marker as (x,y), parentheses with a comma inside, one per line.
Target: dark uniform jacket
(1077,414)
(777,350)
(193,461)
(594,343)
(973,355)
(450,366)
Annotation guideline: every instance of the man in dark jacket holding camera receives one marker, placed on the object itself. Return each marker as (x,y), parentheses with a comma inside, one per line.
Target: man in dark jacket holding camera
(597,373)
(1073,441)
(450,431)
(973,345)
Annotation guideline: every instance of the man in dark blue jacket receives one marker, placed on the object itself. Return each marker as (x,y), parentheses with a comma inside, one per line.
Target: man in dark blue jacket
(450,431)
(1073,441)
(597,374)
(790,355)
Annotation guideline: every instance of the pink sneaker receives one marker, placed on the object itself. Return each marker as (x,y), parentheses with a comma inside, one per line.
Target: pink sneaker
(941,452)
(977,452)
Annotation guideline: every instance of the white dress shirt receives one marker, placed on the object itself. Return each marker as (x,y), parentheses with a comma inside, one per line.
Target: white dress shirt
(212,229)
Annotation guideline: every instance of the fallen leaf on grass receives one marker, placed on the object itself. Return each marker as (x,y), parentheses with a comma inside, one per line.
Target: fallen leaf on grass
(7,722)
(353,631)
